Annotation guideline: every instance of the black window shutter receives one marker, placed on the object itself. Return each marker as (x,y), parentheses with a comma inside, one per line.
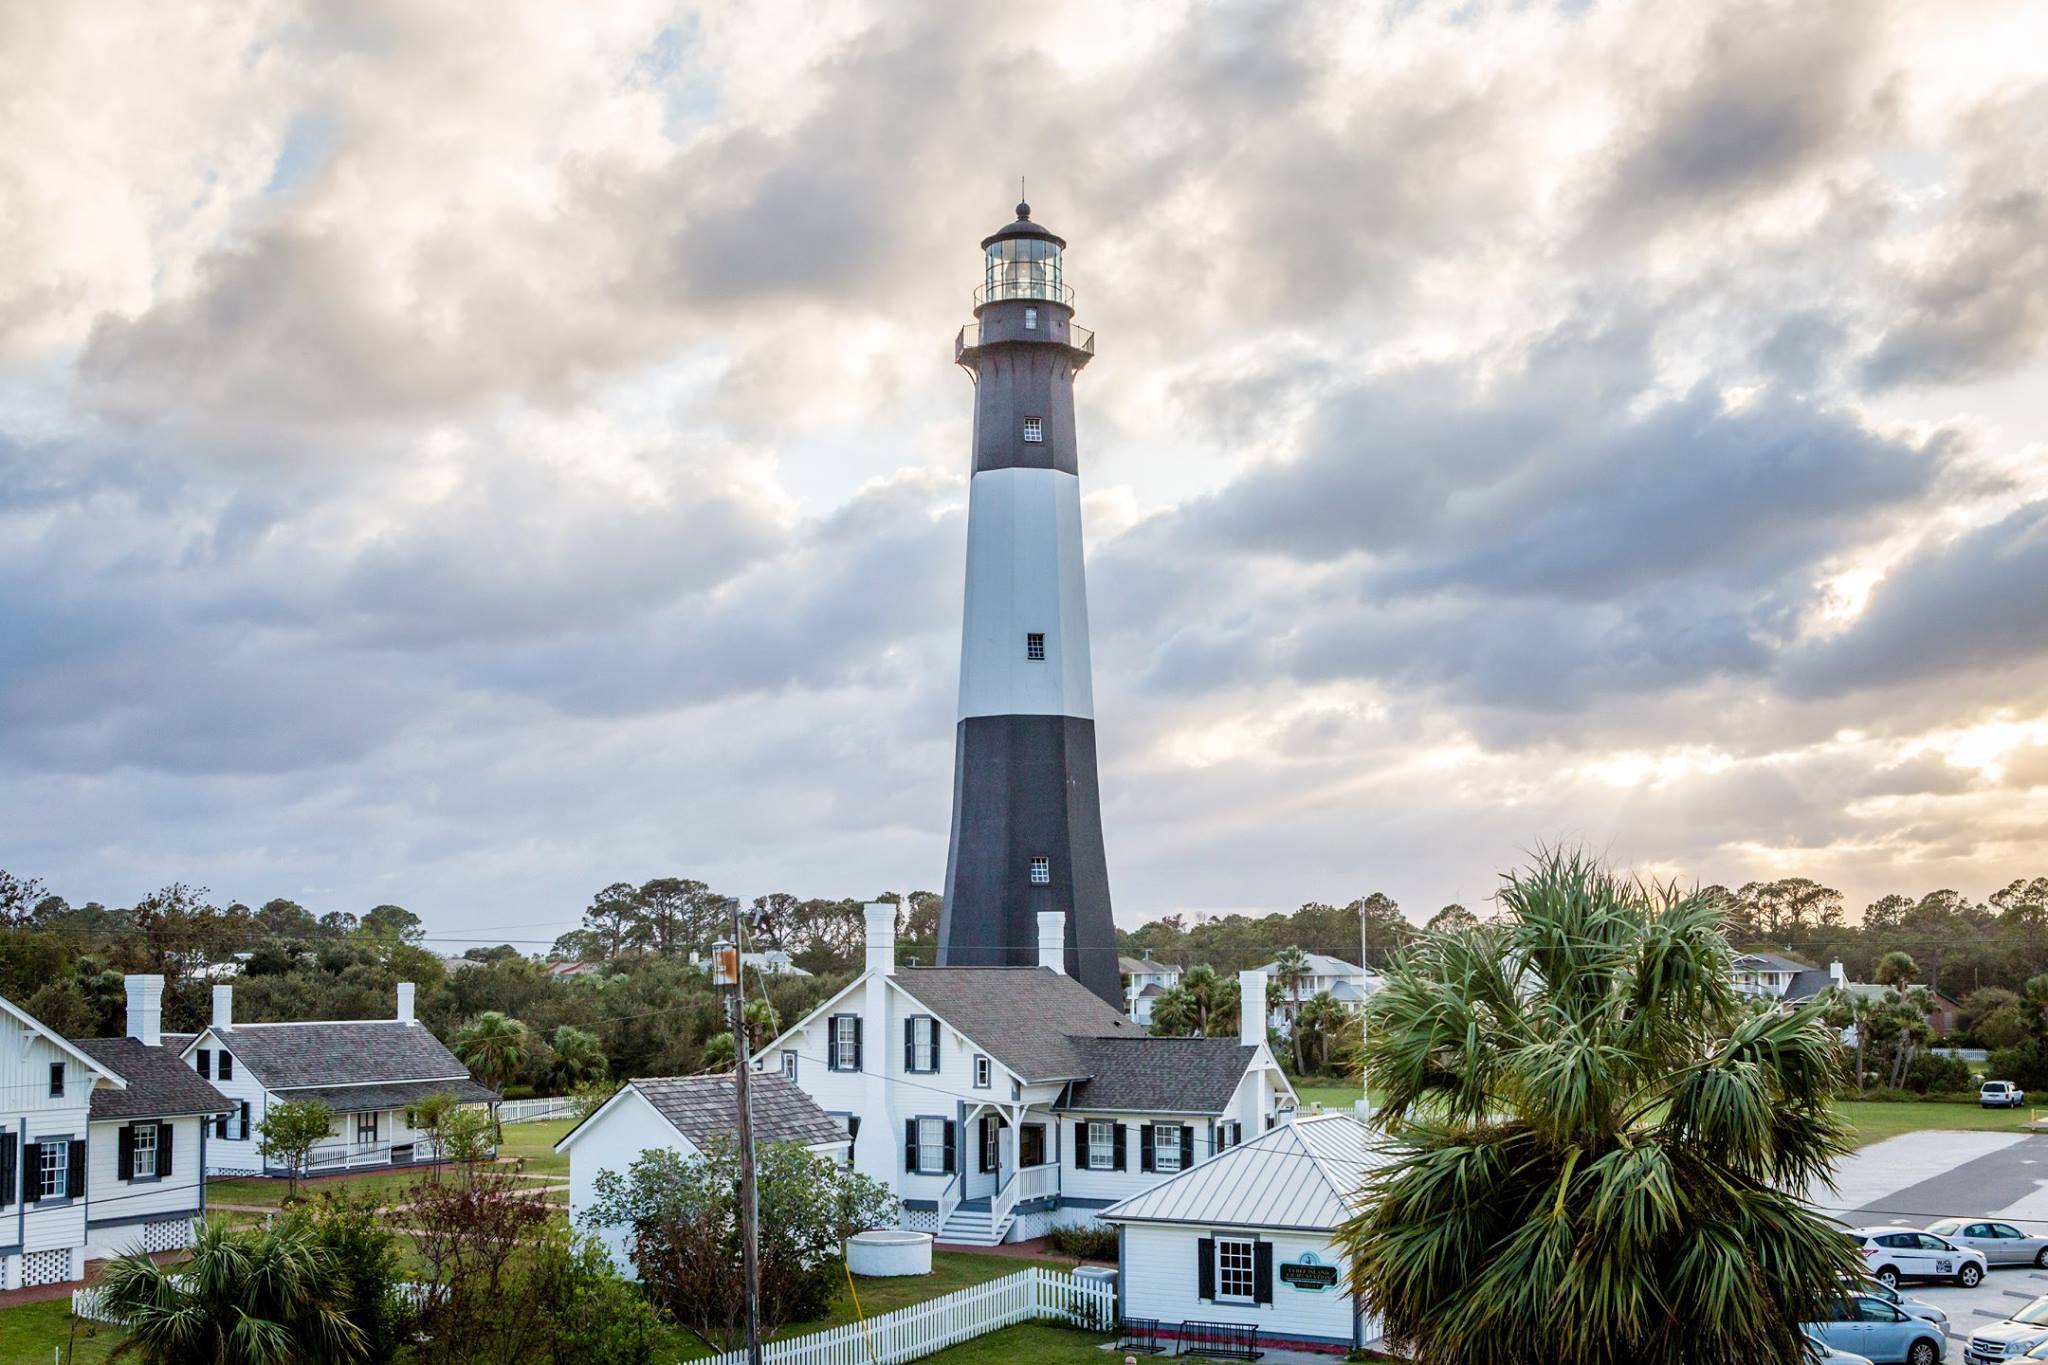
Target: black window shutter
(1187,1145)
(1117,1141)
(75,1177)
(205,1059)
(31,1172)
(245,1120)
(1145,1147)
(163,1149)
(909,1044)
(224,1065)
(856,1043)
(6,1169)
(220,1125)
(852,1135)
(832,1043)
(932,1032)
(124,1152)
(910,1144)
(1205,1269)
(1262,1272)
(981,1153)
(950,1144)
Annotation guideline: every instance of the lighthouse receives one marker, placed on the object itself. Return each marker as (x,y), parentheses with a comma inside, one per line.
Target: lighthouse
(1027,817)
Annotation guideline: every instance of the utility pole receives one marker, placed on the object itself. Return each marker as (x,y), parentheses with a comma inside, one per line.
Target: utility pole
(1364,976)
(726,967)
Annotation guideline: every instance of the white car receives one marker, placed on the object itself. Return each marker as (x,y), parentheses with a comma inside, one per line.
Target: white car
(1892,1254)
(2000,1095)
(2014,1337)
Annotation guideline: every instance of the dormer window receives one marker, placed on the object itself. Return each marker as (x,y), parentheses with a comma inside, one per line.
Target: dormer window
(1034,430)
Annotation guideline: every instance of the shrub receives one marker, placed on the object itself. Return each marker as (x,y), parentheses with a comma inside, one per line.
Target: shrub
(2025,1067)
(1930,1073)
(1084,1241)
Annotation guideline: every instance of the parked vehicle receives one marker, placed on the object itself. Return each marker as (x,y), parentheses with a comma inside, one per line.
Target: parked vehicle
(2001,1243)
(2000,1095)
(1818,1352)
(1892,1254)
(1867,1325)
(2016,1336)
(1918,1308)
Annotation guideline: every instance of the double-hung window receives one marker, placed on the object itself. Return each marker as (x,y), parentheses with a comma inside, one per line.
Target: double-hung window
(56,1080)
(143,1163)
(923,1051)
(1236,1272)
(1228,1135)
(224,1065)
(366,1127)
(1166,1147)
(983,1073)
(1101,1145)
(931,1146)
(845,1032)
(202,1062)
(789,1063)
(1034,429)
(56,1170)
(991,1145)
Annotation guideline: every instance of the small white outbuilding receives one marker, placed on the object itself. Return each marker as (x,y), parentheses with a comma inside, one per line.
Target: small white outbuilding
(682,1114)
(1245,1238)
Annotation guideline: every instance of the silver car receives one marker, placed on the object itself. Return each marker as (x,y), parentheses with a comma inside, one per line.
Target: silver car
(2001,1243)
(1917,1308)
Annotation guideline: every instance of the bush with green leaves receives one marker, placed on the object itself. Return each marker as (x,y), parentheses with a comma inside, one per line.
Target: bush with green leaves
(1596,1151)
(288,1133)
(1934,1074)
(681,1215)
(1084,1241)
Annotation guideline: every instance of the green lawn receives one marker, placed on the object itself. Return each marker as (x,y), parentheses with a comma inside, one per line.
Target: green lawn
(536,1142)
(1041,1343)
(1875,1120)
(29,1334)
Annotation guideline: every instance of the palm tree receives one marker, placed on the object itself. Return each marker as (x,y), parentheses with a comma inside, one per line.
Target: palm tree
(1594,1153)
(248,1296)
(493,1047)
(1173,1012)
(1318,1022)
(1205,993)
(1895,969)
(1291,973)
(578,1057)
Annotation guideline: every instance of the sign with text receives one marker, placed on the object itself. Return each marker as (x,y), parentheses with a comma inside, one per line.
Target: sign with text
(1307,1273)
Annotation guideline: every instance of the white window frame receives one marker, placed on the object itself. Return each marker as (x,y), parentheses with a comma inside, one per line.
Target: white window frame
(369,1139)
(1034,431)
(1101,1151)
(847,1047)
(1165,1154)
(1041,870)
(1030,319)
(1034,647)
(144,1142)
(924,1045)
(984,1073)
(57,1080)
(931,1146)
(789,1064)
(1237,1263)
(1229,1133)
(992,1147)
(54,1179)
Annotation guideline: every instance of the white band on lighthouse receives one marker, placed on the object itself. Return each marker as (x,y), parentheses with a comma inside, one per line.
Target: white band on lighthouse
(1025,579)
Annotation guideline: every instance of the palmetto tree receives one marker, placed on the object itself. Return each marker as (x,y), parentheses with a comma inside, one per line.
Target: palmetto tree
(1594,1152)
(578,1056)
(251,1296)
(1173,1012)
(493,1047)
(1290,974)
(1319,1022)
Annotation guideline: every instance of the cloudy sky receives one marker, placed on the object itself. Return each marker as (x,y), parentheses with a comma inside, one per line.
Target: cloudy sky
(468,454)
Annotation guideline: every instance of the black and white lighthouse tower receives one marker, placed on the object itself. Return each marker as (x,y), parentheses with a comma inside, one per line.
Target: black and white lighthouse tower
(1027,818)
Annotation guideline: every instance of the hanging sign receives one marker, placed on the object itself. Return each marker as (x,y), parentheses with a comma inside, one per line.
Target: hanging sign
(1307,1273)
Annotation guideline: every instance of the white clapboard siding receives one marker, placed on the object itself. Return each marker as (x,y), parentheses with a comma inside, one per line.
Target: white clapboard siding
(925,1328)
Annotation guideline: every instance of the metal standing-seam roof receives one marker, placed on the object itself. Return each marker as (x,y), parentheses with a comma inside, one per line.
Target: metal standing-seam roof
(1031,1019)
(1302,1175)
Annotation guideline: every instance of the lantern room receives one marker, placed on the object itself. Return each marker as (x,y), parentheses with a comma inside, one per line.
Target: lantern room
(1023,262)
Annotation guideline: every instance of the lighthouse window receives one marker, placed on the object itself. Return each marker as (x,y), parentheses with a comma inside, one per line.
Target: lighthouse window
(1034,647)
(1041,871)
(1030,319)
(1034,428)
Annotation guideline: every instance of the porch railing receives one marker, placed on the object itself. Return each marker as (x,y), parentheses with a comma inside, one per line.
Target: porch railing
(1039,1182)
(1002,1203)
(949,1200)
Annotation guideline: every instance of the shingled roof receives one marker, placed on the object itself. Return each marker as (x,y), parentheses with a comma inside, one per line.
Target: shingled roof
(703,1107)
(1160,1075)
(341,1052)
(354,1099)
(1031,1019)
(159,1085)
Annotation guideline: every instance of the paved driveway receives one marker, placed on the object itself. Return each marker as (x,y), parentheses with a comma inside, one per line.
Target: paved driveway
(1916,1178)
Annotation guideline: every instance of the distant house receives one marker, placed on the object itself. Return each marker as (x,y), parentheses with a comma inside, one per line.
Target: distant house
(370,1072)
(1347,983)
(568,971)
(1813,981)
(102,1146)
(1248,1237)
(1764,974)
(683,1114)
(773,962)
(1144,982)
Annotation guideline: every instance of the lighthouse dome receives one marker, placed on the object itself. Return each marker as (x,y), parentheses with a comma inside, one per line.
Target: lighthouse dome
(1023,262)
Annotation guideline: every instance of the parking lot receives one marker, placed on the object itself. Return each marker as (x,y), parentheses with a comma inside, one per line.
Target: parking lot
(1918,1177)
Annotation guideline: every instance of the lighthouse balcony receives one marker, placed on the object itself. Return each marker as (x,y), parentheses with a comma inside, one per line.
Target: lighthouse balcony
(1054,329)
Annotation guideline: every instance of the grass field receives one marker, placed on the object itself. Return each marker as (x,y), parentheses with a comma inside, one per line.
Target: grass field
(1875,1120)
(1041,1343)
(30,1335)
(532,1142)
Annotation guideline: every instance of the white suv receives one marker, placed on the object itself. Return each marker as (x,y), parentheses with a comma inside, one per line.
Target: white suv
(1891,1254)
(2000,1095)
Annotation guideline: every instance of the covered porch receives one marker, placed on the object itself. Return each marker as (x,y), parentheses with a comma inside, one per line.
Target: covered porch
(1009,1160)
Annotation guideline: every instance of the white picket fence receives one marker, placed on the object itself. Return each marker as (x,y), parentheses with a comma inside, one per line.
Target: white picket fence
(530,1111)
(924,1328)
(90,1304)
